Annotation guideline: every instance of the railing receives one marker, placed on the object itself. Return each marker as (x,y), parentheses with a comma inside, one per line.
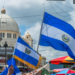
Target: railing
(9,50)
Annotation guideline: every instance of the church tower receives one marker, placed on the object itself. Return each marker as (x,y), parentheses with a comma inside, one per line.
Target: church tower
(29,39)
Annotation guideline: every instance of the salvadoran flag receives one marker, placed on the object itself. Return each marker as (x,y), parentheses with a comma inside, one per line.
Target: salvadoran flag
(58,34)
(25,54)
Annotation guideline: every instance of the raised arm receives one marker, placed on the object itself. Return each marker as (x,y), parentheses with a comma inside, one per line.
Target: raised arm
(10,70)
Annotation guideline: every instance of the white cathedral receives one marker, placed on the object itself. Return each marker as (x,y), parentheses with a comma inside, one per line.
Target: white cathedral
(9,32)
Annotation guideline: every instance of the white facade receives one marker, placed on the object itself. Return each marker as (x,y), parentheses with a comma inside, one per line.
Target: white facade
(9,29)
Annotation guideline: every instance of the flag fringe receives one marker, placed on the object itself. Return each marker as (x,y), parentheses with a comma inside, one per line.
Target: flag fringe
(30,65)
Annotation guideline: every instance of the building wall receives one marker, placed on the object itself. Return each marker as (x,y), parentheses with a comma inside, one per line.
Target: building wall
(28,39)
(43,62)
(10,41)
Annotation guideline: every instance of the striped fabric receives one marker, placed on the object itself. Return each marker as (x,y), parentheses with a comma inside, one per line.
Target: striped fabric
(24,53)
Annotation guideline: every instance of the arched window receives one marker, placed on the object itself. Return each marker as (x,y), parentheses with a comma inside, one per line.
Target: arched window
(14,35)
(2,35)
(27,36)
(8,35)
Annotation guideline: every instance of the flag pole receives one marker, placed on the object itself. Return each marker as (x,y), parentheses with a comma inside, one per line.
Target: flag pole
(39,37)
(33,71)
(14,50)
(41,27)
(40,32)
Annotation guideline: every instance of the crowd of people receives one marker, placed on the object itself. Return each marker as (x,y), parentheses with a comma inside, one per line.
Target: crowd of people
(11,70)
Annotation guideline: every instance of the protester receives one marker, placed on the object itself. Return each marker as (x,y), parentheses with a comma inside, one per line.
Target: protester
(10,70)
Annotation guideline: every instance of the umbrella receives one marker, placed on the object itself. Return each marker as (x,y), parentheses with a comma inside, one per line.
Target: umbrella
(67,71)
(62,60)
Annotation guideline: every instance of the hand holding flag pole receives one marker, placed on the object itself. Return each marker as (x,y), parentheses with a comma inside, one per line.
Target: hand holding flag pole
(10,70)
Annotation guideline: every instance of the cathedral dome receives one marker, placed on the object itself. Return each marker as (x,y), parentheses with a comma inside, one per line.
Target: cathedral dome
(27,34)
(7,23)
(3,11)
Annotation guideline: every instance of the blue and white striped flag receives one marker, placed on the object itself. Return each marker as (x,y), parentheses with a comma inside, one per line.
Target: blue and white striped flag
(58,34)
(24,53)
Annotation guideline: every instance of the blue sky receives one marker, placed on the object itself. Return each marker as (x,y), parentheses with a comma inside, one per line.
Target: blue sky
(22,29)
(29,14)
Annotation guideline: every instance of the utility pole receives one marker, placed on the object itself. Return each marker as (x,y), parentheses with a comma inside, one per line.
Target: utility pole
(55,0)
(0,41)
(34,42)
(73,1)
(5,45)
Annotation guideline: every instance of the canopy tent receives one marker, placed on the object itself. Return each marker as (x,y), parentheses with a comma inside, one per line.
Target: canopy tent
(72,68)
(58,70)
(62,60)
(66,72)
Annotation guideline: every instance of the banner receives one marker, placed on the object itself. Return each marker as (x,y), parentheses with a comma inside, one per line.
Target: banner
(45,70)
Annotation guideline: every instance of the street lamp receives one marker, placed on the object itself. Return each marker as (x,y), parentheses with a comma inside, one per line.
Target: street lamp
(5,45)
(0,40)
(34,42)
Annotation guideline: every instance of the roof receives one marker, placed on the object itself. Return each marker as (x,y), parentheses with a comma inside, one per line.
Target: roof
(28,34)
(7,23)
(62,60)
(3,11)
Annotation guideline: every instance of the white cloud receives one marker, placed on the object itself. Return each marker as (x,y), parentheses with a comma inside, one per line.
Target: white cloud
(20,3)
(51,53)
(72,21)
(34,31)
(21,8)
